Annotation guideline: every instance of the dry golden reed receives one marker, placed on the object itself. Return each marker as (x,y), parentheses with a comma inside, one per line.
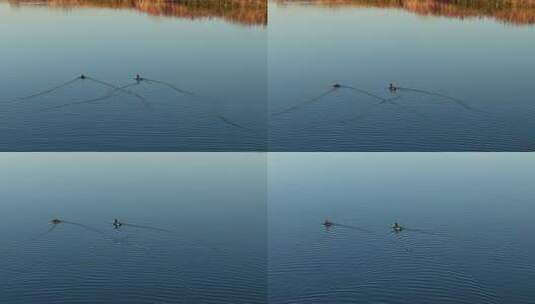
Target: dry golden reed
(249,12)
(509,11)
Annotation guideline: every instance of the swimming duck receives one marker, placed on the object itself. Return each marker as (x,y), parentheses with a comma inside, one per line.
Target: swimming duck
(117,224)
(55,221)
(397,227)
(337,85)
(83,76)
(328,223)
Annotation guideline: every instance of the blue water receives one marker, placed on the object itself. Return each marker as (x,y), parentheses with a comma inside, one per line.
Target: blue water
(198,231)
(255,84)
(468,220)
(247,228)
(221,60)
(484,62)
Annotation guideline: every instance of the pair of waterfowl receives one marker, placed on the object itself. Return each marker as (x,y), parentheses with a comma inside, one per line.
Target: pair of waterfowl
(397,227)
(391,87)
(138,78)
(116,222)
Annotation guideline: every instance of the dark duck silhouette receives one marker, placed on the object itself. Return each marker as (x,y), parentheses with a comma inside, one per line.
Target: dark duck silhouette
(56,221)
(116,223)
(397,227)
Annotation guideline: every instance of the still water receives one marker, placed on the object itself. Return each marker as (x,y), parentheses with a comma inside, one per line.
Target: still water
(195,228)
(217,77)
(468,222)
(465,69)
(208,61)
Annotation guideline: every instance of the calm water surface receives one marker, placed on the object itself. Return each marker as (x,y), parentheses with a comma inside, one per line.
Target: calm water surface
(480,56)
(219,54)
(198,231)
(468,236)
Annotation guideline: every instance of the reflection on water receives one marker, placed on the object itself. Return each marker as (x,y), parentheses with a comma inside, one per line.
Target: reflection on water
(247,12)
(202,83)
(468,223)
(113,92)
(364,77)
(510,11)
(193,228)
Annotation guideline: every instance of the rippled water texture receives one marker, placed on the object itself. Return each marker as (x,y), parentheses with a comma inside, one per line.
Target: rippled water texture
(207,62)
(194,232)
(467,239)
(463,69)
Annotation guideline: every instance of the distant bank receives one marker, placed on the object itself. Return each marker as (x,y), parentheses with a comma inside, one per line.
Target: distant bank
(247,12)
(509,11)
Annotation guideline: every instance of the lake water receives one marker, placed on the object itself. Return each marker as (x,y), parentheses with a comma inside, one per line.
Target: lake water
(247,228)
(478,53)
(464,69)
(216,52)
(197,230)
(468,222)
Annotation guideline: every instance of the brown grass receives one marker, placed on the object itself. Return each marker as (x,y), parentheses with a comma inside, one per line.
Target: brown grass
(248,12)
(509,11)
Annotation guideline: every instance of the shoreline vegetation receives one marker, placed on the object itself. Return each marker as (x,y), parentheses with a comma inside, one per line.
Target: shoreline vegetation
(245,12)
(518,12)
